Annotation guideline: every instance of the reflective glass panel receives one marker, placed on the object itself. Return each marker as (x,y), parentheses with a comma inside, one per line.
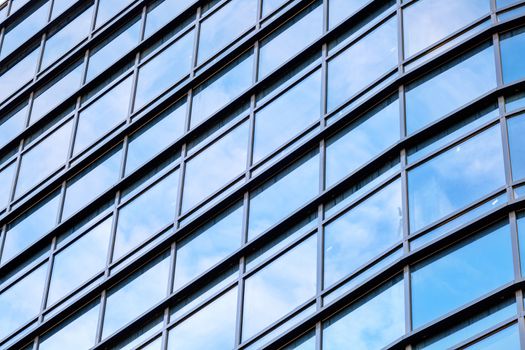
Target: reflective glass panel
(226,24)
(459,275)
(270,5)
(362,233)
(161,12)
(371,323)
(92,182)
(44,158)
(109,8)
(283,194)
(21,302)
(512,46)
(426,21)
(507,338)
(6,179)
(19,74)
(455,178)
(103,115)
(362,63)
(212,327)
(285,284)
(215,166)
(29,227)
(208,245)
(287,115)
(146,214)
(78,332)
(136,295)
(79,261)
(164,69)
(12,123)
(521,235)
(361,141)
(516,129)
(60,6)
(341,9)
(288,40)
(455,83)
(221,89)
(155,136)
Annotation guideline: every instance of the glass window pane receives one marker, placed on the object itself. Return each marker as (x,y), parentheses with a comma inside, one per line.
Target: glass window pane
(425,22)
(78,332)
(221,89)
(362,233)
(156,136)
(25,27)
(285,284)
(283,194)
(362,63)
(372,323)
(164,70)
(521,235)
(28,228)
(136,295)
(108,9)
(161,12)
(362,141)
(92,182)
(21,302)
(44,158)
(208,245)
(55,92)
(455,178)
(102,56)
(516,129)
(459,275)
(206,172)
(290,39)
(287,115)
(19,74)
(212,327)
(6,179)
(12,124)
(270,5)
(223,26)
(456,84)
(66,38)
(79,261)
(507,338)
(103,115)
(512,47)
(341,9)
(146,214)
(60,6)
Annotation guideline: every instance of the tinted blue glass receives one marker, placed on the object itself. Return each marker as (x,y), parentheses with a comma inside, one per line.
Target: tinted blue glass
(287,115)
(341,9)
(29,227)
(362,63)
(285,283)
(371,323)
(108,9)
(206,173)
(512,51)
(136,295)
(516,129)
(270,5)
(102,56)
(66,38)
(161,12)
(60,6)
(362,141)
(290,39)
(461,274)
(521,235)
(282,195)
(6,179)
(212,327)
(12,124)
(507,338)
(208,245)
(146,214)
(164,70)
(21,302)
(455,178)
(92,182)
(362,233)
(103,115)
(44,158)
(504,3)
(221,89)
(79,261)
(456,84)
(155,136)
(19,74)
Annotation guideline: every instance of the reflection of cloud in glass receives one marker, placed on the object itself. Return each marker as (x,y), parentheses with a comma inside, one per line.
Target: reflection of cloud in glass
(280,287)
(109,8)
(162,12)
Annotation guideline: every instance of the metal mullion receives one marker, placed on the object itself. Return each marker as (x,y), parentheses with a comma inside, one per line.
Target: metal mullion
(178,217)
(240,302)
(164,332)
(74,130)
(101,315)
(16,175)
(134,83)
(3,234)
(143,19)
(196,40)
(521,319)
(113,233)
(47,282)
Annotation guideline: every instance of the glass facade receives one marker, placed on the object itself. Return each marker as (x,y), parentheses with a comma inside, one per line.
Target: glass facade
(262,174)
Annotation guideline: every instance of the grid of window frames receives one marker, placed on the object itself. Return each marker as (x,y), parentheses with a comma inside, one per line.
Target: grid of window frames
(172,168)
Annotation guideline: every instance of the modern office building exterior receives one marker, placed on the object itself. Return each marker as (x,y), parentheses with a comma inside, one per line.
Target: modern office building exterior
(245,174)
